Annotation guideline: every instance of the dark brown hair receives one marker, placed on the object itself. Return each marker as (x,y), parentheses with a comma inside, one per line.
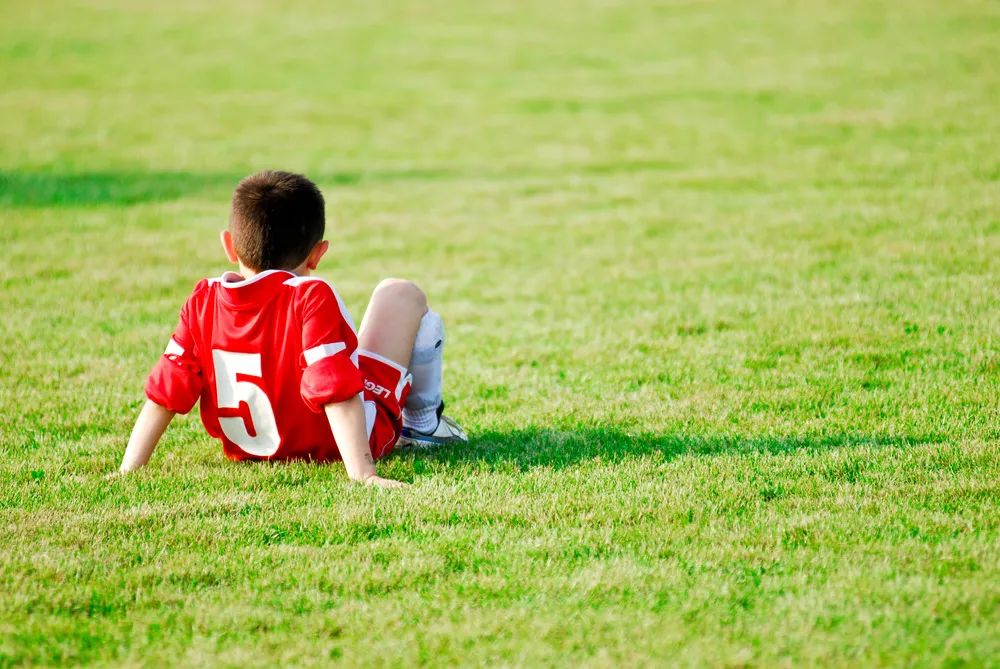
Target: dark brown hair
(277,218)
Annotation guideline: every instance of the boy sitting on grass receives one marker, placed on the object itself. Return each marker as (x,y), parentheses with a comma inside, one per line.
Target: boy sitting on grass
(273,356)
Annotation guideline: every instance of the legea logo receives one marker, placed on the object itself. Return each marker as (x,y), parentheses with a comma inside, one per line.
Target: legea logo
(375,389)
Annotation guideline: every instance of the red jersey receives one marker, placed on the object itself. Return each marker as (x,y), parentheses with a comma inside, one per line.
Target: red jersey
(263,355)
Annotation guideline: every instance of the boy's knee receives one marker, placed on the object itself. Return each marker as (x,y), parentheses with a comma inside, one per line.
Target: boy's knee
(402,290)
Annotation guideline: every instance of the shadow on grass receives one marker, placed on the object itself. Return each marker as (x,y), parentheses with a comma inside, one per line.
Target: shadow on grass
(45,189)
(540,447)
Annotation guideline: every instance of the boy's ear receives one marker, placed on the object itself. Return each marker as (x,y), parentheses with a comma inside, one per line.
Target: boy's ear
(312,260)
(229,246)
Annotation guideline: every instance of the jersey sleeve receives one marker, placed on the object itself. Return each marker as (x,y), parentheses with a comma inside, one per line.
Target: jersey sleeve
(329,359)
(176,380)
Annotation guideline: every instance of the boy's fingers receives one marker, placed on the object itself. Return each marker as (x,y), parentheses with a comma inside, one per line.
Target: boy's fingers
(385,483)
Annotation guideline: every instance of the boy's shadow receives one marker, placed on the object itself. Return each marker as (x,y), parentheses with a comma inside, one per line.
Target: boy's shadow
(531,447)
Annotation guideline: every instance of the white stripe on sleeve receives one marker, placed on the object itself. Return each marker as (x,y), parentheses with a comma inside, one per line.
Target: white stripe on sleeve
(173,348)
(317,353)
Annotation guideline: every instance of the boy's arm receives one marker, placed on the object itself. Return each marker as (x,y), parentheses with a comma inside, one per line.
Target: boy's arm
(149,427)
(347,422)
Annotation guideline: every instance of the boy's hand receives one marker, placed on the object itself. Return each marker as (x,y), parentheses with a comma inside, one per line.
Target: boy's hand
(347,423)
(379,482)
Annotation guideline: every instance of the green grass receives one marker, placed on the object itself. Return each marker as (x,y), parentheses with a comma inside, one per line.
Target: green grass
(721,286)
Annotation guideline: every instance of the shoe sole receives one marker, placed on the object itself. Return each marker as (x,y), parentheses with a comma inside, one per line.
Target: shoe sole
(428,442)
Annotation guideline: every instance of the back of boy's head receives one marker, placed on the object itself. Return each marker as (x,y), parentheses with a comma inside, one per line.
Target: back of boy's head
(277,218)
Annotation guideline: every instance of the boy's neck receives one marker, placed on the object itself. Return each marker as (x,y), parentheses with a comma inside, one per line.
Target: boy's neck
(247,273)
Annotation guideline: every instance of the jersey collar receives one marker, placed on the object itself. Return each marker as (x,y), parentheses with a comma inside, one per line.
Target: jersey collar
(251,293)
(234,280)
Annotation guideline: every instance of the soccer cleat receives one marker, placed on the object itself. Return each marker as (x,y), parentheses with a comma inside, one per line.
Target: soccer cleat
(447,432)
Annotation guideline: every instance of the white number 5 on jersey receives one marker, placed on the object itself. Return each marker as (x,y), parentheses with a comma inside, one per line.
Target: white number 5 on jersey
(231,392)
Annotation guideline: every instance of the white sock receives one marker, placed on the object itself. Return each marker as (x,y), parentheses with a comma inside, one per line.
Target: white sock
(420,412)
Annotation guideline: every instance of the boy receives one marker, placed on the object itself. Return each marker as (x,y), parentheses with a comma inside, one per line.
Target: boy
(273,356)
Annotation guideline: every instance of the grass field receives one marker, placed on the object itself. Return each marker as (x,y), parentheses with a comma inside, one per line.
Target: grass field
(721,281)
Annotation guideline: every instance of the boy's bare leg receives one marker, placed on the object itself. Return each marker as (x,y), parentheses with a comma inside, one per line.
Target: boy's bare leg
(399,326)
(389,327)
